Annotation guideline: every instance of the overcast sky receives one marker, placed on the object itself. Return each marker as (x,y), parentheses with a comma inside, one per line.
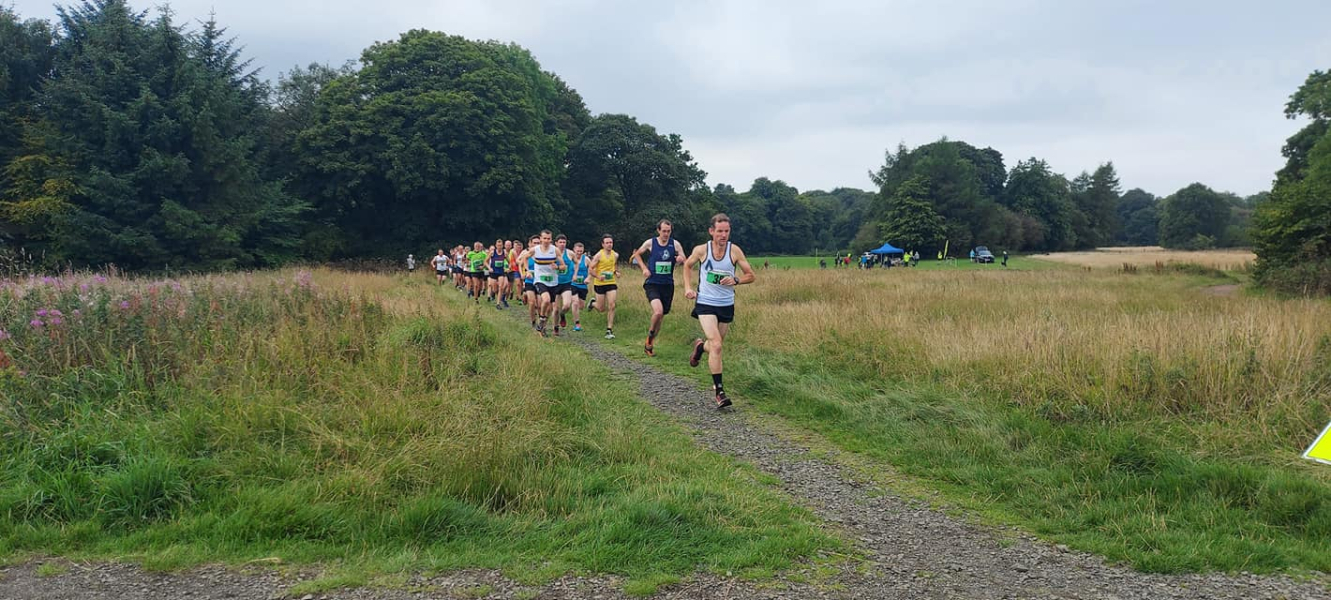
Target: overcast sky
(813,93)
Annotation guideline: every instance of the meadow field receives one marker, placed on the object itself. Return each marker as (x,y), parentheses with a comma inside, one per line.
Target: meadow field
(1151,256)
(365,422)
(380,424)
(1133,415)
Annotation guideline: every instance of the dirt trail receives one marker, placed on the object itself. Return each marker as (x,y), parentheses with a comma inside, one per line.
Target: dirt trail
(916,551)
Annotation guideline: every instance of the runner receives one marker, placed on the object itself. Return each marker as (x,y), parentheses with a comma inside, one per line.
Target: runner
(459,267)
(440,264)
(528,266)
(411,264)
(564,294)
(476,271)
(663,252)
(498,275)
(545,273)
(715,298)
(605,282)
(580,268)
(514,248)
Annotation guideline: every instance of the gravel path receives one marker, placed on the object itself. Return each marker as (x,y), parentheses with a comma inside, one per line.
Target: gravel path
(913,551)
(916,551)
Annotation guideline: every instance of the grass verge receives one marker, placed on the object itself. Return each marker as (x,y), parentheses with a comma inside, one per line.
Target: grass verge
(364,423)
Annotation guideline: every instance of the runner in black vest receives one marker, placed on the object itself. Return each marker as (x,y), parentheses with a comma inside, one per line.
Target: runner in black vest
(662,253)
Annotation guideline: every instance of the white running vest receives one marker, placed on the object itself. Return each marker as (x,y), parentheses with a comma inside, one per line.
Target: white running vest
(710,274)
(546,271)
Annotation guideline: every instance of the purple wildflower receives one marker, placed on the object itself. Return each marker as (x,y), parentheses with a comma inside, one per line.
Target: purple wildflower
(55,312)
(83,287)
(41,312)
(124,304)
(36,323)
(78,313)
(57,320)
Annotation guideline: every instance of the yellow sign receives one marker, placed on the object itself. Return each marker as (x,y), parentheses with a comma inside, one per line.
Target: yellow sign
(1320,451)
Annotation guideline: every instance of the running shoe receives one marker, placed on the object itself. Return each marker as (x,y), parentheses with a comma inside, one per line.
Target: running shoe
(609,335)
(562,322)
(577,327)
(722,400)
(648,348)
(697,352)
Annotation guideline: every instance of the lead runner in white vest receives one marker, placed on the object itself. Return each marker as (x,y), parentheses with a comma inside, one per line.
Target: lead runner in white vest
(717,262)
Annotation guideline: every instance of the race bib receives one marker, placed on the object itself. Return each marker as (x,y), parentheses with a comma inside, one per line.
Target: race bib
(476,265)
(547,278)
(606,275)
(715,277)
(665,267)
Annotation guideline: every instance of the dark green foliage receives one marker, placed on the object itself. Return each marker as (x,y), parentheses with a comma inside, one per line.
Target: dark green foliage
(1194,218)
(910,223)
(1138,212)
(961,180)
(436,137)
(1036,191)
(144,152)
(1291,230)
(624,177)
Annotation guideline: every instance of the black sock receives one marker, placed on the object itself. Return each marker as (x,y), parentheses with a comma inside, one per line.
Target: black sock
(651,336)
(716,381)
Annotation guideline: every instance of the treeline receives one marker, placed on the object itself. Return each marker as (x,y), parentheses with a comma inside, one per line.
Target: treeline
(127,138)
(952,192)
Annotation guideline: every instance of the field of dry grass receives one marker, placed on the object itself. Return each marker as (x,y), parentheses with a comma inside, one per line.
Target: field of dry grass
(1150,256)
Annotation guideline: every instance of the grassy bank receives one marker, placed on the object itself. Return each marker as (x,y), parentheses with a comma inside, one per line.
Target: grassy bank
(1131,415)
(366,422)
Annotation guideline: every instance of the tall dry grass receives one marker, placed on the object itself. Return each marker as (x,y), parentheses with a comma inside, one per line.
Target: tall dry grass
(1150,256)
(1071,341)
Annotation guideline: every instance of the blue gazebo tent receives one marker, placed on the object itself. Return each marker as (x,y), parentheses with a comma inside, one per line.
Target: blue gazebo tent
(887,249)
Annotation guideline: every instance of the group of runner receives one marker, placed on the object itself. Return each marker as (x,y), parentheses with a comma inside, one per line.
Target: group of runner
(554,280)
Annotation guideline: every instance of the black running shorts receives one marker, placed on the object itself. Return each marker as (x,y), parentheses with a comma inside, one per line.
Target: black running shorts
(602,289)
(660,291)
(580,292)
(548,290)
(724,314)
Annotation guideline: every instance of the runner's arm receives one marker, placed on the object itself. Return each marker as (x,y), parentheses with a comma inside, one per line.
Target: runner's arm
(742,262)
(636,258)
(693,260)
(679,253)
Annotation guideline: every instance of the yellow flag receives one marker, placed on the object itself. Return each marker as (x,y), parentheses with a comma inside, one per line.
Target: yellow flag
(1320,451)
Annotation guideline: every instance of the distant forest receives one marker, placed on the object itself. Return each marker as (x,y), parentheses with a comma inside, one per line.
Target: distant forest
(129,139)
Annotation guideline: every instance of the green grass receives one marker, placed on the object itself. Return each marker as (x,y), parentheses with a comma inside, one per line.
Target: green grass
(378,430)
(1165,493)
(1016,263)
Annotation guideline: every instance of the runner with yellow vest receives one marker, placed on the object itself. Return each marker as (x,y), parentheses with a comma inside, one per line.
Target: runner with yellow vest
(605,282)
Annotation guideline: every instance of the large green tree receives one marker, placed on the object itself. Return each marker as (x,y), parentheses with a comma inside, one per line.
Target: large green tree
(624,177)
(910,222)
(144,152)
(1096,198)
(1193,218)
(1140,219)
(26,56)
(962,180)
(1033,189)
(436,138)
(1292,227)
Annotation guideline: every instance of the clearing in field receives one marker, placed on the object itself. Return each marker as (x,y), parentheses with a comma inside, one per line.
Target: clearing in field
(1150,256)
